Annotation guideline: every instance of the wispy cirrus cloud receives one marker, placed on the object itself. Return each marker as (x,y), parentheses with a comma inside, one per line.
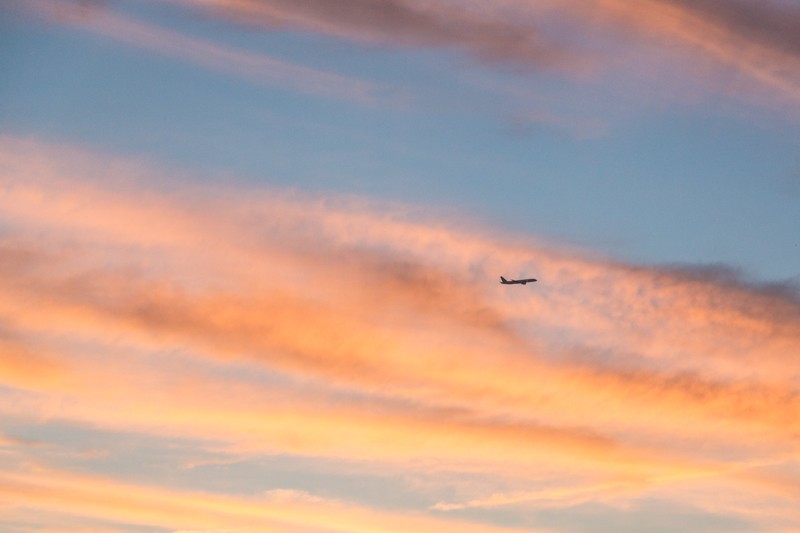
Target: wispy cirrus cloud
(773,24)
(274,322)
(254,66)
(757,41)
(754,39)
(472,27)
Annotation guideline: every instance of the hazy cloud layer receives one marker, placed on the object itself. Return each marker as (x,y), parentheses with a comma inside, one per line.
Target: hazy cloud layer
(265,322)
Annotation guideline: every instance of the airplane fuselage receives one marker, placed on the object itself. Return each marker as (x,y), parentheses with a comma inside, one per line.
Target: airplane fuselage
(505,281)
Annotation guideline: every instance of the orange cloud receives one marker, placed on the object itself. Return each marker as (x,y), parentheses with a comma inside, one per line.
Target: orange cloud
(378,295)
(276,323)
(366,343)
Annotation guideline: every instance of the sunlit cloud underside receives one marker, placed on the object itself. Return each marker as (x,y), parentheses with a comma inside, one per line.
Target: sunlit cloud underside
(258,323)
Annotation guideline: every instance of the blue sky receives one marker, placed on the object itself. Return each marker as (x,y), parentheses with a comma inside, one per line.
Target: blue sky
(386,160)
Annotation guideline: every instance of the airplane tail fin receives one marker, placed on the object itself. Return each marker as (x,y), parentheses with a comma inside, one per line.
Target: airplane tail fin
(503,279)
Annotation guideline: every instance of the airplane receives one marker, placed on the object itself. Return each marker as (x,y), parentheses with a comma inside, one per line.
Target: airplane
(505,281)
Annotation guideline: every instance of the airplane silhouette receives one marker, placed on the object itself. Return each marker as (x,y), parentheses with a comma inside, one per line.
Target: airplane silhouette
(505,281)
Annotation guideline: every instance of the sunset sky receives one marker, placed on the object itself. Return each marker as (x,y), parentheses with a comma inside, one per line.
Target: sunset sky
(250,252)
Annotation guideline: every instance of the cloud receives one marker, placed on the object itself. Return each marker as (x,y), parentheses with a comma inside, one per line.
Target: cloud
(661,49)
(125,503)
(552,496)
(253,66)
(476,29)
(274,322)
(757,41)
(774,24)
(375,294)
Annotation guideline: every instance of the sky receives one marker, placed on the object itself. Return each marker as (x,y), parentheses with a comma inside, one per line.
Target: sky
(250,253)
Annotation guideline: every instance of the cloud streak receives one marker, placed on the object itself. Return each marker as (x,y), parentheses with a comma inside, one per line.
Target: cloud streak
(253,66)
(402,22)
(290,511)
(755,40)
